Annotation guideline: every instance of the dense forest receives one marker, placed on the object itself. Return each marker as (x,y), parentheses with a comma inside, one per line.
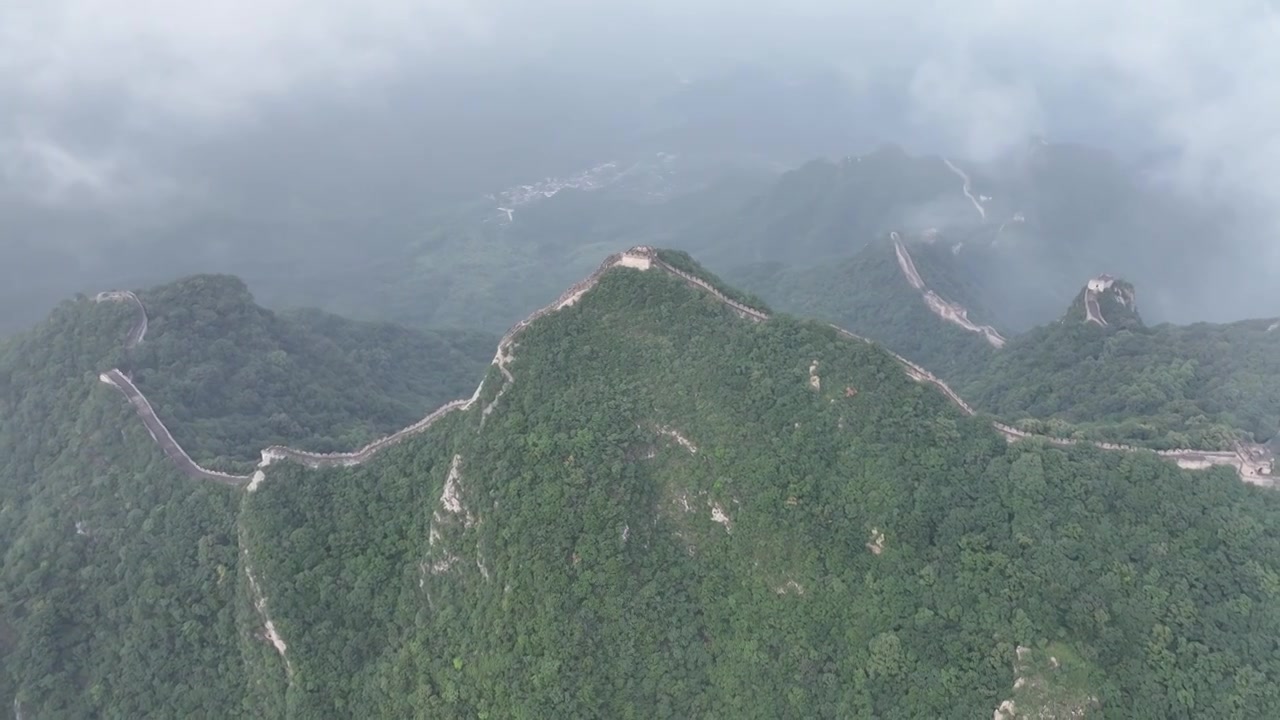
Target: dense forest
(1199,385)
(868,295)
(668,512)
(664,517)
(1165,386)
(118,582)
(121,591)
(231,378)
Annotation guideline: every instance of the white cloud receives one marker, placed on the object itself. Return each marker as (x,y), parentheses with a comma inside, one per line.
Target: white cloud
(48,173)
(1200,75)
(979,116)
(212,60)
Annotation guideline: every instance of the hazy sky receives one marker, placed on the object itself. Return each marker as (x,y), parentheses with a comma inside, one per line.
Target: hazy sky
(104,99)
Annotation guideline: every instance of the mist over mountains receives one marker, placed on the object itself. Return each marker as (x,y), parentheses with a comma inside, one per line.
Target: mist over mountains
(682,359)
(148,146)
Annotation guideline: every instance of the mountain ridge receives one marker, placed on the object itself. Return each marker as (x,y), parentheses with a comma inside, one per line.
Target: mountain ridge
(1254,463)
(666,508)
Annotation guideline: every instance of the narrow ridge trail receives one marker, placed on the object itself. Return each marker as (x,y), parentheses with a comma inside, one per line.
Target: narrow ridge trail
(949,311)
(1253,462)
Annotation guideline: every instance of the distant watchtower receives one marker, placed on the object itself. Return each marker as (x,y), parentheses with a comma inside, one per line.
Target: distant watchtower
(1100,283)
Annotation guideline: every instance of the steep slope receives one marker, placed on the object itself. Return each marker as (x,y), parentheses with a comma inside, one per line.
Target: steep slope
(1025,229)
(950,312)
(1106,301)
(1097,373)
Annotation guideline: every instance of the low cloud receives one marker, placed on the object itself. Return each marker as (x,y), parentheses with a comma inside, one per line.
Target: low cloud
(212,61)
(94,87)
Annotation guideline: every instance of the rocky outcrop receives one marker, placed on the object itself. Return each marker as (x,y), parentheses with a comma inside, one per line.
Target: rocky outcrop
(269,631)
(1092,312)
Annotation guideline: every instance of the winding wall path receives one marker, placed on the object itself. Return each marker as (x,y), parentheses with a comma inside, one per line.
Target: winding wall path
(161,434)
(981,210)
(139,329)
(1253,462)
(640,258)
(949,311)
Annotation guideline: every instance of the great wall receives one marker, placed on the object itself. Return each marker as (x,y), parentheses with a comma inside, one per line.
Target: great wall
(948,311)
(967,193)
(1097,286)
(1254,463)
(139,329)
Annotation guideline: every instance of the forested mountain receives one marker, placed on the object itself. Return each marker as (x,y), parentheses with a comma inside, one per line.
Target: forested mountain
(230,377)
(1201,385)
(1026,229)
(1165,386)
(121,594)
(869,294)
(661,502)
(1023,233)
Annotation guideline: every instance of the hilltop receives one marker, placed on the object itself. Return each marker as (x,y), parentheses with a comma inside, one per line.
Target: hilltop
(1097,372)
(1106,301)
(661,501)
(1100,373)
(231,377)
